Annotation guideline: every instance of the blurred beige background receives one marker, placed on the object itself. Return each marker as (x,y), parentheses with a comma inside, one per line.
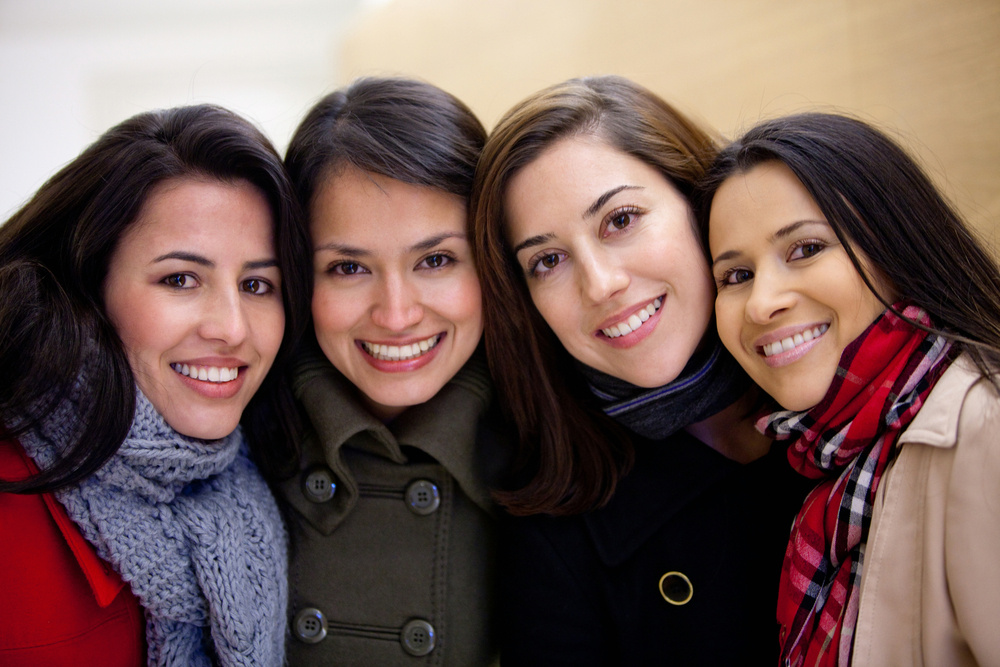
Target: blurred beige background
(928,71)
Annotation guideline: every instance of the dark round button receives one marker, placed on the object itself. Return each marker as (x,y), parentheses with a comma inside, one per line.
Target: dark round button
(309,625)
(676,588)
(417,638)
(318,485)
(423,497)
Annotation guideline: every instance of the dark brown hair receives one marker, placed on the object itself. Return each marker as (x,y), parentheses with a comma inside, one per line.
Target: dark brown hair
(880,203)
(404,129)
(54,256)
(573,453)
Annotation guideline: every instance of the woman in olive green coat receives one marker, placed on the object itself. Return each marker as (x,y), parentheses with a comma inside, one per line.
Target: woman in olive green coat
(392,533)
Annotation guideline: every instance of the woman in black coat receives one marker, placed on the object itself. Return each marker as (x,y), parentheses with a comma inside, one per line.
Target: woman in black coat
(650,516)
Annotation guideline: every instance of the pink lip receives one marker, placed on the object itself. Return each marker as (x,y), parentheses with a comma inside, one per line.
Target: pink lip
(640,334)
(214,389)
(784,332)
(403,365)
(791,356)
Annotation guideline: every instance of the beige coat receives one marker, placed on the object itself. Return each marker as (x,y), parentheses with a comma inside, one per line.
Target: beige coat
(930,590)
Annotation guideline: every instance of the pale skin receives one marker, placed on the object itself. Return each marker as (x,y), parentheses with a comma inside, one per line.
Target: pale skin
(614,266)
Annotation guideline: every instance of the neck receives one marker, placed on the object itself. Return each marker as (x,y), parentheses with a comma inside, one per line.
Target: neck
(731,431)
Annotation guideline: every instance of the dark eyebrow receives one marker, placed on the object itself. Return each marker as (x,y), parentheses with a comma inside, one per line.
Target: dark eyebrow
(603,199)
(787,230)
(533,241)
(204,261)
(420,246)
(429,244)
(186,257)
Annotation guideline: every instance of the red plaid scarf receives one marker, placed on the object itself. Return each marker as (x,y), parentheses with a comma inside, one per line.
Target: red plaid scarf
(847,440)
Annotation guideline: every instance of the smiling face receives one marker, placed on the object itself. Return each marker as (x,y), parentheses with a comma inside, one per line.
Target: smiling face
(194,292)
(609,252)
(396,303)
(790,300)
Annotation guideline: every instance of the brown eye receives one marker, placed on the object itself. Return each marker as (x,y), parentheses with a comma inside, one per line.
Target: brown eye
(621,221)
(256,286)
(178,281)
(549,261)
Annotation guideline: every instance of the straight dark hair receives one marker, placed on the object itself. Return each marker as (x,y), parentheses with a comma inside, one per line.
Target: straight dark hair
(403,129)
(572,452)
(54,256)
(880,203)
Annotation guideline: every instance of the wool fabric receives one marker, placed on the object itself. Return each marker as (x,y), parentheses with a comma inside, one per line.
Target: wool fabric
(710,382)
(192,527)
(847,440)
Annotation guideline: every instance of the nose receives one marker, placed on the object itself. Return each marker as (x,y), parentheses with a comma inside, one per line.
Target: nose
(600,276)
(397,306)
(769,297)
(225,317)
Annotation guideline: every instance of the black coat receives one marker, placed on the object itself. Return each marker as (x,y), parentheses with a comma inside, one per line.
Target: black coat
(585,590)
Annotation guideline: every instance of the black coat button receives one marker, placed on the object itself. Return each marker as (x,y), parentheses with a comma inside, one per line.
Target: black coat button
(418,638)
(423,497)
(318,485)
(309,625)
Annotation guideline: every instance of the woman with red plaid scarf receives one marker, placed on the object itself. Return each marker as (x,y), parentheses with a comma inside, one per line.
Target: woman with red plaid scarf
(854,295)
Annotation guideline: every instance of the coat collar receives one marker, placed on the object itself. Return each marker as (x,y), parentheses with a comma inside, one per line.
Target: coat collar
(936,424)
(447,428)
(667,476)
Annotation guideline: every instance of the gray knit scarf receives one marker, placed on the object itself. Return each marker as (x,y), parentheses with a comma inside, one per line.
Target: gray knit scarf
(710,382)
(193,529)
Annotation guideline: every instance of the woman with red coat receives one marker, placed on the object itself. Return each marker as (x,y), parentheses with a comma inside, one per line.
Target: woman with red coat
(147,299)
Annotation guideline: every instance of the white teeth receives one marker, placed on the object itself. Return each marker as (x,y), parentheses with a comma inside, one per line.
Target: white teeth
(633,322)
(214,374)
(792,342)
(400,352)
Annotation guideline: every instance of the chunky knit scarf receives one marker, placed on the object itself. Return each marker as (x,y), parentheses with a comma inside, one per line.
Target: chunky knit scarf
(192,528)
(847,439)
(710,382)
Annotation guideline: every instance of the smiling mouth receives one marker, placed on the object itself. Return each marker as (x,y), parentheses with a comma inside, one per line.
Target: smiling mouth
(792,342)
(635,321)
(207,373)
(400,352)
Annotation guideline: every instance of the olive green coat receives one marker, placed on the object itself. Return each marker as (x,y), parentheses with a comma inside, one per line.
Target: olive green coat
(396,567)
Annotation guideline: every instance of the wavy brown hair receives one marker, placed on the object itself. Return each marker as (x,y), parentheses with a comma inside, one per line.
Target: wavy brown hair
(571,455)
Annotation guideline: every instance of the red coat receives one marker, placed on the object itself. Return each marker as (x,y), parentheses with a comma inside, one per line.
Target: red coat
(60,604)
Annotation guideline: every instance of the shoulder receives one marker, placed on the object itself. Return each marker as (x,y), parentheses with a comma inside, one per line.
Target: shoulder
(963,405)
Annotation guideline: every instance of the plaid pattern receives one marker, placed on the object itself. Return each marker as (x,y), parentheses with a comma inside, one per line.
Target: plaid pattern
(847,440)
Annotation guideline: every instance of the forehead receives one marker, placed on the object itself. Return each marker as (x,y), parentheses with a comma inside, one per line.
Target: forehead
(193,208)
(360,204)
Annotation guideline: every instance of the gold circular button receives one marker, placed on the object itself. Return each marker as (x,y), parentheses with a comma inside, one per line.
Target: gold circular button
(676,588)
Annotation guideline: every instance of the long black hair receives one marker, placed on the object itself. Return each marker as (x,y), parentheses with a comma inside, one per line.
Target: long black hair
(880,203)
(54,256)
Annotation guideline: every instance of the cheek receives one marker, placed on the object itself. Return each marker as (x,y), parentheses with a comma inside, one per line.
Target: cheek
(728,322)
(331,312)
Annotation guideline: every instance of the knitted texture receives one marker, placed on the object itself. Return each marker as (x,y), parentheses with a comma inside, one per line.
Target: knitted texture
(192,527)
(710,382)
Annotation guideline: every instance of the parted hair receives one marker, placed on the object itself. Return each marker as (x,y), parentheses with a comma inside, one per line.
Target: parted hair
(404,129)
(880,203)
(54,255)
(571,455)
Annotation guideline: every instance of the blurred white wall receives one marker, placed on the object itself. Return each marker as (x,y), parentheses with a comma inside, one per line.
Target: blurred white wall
(926,70)
(70,69)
